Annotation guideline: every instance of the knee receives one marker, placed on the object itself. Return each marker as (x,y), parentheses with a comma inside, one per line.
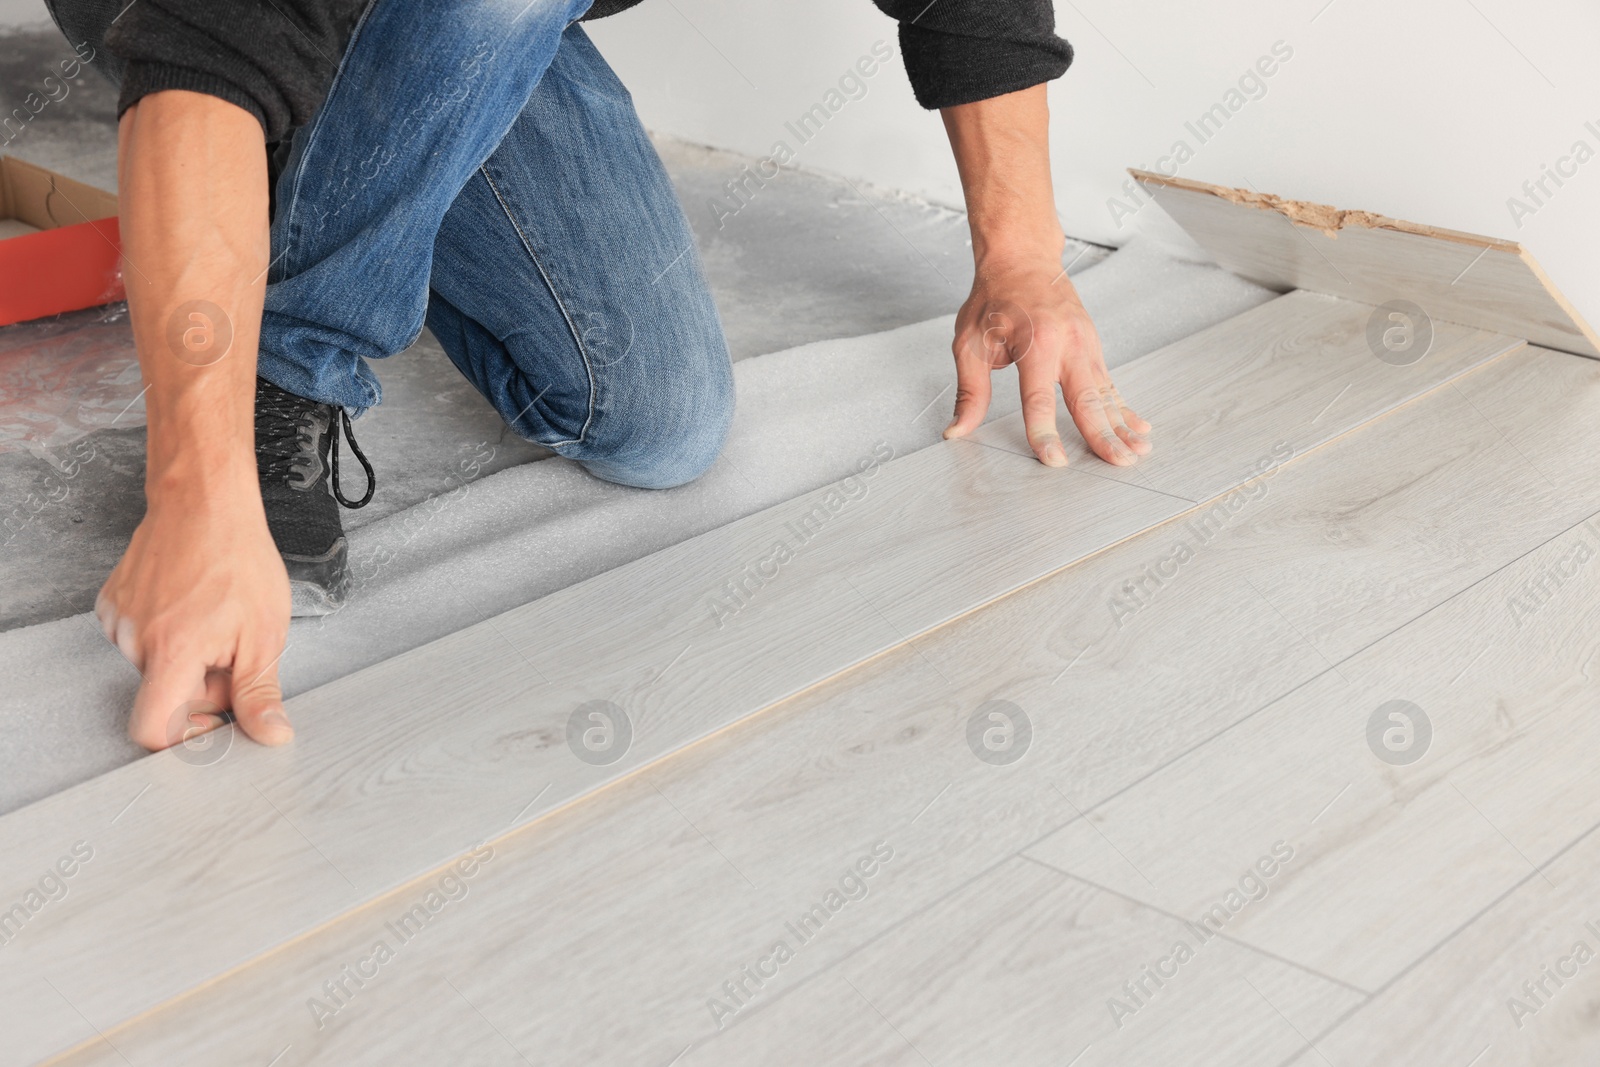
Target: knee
(672,437)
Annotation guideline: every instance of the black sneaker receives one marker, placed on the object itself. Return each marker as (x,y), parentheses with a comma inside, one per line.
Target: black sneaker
(296,439)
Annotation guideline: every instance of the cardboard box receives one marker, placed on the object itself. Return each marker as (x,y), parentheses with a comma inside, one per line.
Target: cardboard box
(60,249)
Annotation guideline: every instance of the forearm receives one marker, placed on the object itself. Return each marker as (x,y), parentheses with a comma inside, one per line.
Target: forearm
(193,202)
(1002,150)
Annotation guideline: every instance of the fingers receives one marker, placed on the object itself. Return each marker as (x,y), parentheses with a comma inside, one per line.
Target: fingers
(1092,405)
(119,629)
(973,390)
(257,700)
(1127,425)
(174,688)
(1138,425)
(1037,382)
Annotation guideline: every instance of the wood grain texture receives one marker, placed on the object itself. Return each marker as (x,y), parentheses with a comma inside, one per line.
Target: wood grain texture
(601,936)
(1391,860)
(1279,380)
(1478,281)
(1024,967)
(1468,998)
(388,779)
(1396,519)
(639,896)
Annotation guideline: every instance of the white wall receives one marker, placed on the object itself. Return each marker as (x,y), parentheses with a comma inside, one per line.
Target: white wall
(1431,110)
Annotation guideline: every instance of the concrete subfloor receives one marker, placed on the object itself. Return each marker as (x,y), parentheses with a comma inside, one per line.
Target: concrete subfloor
(809,258)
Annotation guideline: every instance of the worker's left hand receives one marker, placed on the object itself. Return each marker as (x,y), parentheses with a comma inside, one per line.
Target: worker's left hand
(1030,315)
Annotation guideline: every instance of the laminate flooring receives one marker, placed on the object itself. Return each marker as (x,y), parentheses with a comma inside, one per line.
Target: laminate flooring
(1197,681)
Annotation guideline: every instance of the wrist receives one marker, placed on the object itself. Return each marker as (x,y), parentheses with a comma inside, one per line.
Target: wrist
(200,441)
(1018,247)
(197,460)
(1018,258)
(203,484)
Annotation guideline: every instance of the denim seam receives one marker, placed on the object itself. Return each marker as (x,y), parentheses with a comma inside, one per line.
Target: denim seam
(577,338)
(299,171)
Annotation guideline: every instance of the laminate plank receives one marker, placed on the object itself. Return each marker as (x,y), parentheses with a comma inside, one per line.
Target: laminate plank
(1545,413)
(1480,996)
(1025,967)
(532,942)
(1241,397)
(535,948)
(1479,281)
(883,751)
(647,643)
(1392,858)
(384,793)
(1357,540)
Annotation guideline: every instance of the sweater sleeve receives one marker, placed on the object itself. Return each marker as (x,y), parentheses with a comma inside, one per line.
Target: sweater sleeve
(961,51)
(274,58)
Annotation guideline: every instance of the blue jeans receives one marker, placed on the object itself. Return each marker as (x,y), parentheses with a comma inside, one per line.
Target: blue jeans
(478,166)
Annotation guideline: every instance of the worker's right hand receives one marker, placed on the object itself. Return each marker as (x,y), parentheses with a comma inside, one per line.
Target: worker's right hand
(199,604)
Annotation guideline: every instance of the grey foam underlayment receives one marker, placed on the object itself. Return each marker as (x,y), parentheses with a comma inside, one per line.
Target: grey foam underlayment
(805,416)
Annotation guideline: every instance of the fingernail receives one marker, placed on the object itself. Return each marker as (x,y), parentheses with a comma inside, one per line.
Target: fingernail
(276,721)
(1054,455)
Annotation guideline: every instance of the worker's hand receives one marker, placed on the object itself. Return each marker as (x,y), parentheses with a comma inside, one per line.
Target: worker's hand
(200,605)
(200,601)
(1030,315)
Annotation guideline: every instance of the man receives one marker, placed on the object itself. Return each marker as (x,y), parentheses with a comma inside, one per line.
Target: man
(305,183)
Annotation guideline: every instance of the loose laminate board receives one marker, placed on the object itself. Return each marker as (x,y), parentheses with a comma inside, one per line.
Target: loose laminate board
(1459,277)
(388,778)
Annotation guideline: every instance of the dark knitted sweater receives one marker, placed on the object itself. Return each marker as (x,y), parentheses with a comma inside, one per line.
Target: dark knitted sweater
(276,58)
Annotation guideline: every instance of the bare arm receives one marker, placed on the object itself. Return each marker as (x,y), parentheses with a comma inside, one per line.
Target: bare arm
(1023,309)
(199,602)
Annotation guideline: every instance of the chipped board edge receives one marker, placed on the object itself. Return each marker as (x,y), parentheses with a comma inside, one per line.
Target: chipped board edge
(1328,220)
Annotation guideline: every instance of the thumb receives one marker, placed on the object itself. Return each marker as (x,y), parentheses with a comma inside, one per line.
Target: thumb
(257,700)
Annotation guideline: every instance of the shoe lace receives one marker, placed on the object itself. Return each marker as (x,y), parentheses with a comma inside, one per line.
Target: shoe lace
(285,456)
(372,479)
